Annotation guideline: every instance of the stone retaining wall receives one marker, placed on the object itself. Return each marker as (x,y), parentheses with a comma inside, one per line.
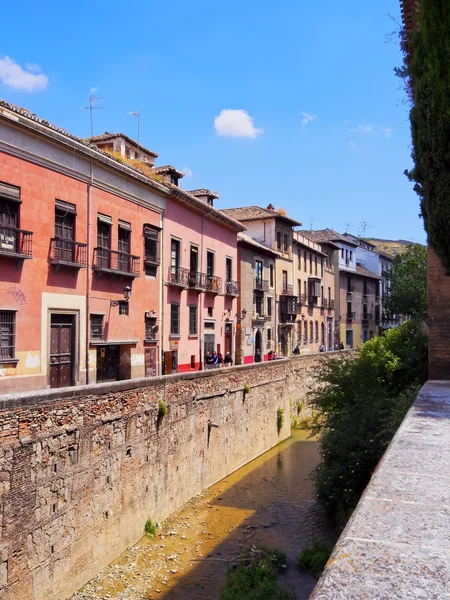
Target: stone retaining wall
(81,469)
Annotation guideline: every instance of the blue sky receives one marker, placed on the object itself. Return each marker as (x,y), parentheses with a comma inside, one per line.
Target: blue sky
(325,132)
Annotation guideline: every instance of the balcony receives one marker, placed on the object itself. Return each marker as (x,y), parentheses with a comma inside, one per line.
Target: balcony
(288,309)
(366,318)
(213,284)
(365,298)
(115,263)
(196,280)
(351,317)
(302,299)
(67,253)
(260,317)
(178,277)
(313,300)
(261,285)
(152,254)
(350,290)
(232,288)
(15,243)
(287,290)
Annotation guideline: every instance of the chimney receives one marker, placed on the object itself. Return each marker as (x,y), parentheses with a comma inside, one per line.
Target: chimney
(271,207)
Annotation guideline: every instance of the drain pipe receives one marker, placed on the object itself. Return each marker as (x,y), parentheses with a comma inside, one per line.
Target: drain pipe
(88,265)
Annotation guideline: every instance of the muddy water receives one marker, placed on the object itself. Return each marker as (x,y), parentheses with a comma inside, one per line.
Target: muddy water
(268,502)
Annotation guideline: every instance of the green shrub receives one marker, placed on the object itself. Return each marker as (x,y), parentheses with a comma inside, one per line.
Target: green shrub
(314,558)
(295,423)
(150,528)
(299,407)
(256,577)
(162,409)
(280,419)
(246,388)
(359,405)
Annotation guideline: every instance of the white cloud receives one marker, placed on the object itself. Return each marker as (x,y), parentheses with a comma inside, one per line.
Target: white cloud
(236,123)
(28,79)
(187,171)
(388,131)
(363,129)
(93,90)
(352,144)
(307,118)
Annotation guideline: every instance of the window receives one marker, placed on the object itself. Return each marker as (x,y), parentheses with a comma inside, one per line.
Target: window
(346,256)
(316,337)
(269,307)
(351,255)
(299,288)
(258,273)
(278,240)
(305,337)
(210,201)
(175,318)
(96,327)
(174,179)
(174,255)
(271,275)
(210,263)
(210,311)
(269,334)
(284,283)
(310,263)
(304,288)
(305,268)
(64,231)
(259,304)
(329,295)
(7,334)
(150,328)
(123,246)
(349,309)
(104,224)
(315,265)
(321,267)
(285,243)
(342,252)
(321,295)
(229,269)
(311,332)
(193,319)
(349,284)
(124,308)
(299,258)
(151,246)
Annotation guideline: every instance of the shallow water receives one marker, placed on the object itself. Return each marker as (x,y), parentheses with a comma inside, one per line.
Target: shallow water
(267,502)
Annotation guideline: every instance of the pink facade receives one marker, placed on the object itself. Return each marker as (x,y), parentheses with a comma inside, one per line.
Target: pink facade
(200,283)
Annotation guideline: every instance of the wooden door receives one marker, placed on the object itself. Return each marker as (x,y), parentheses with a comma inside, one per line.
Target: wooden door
(167,363)
(61,350)
(150,362)
(108,363)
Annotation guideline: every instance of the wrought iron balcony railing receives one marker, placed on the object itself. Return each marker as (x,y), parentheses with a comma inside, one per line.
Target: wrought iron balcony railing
(178,277)
(261,285)
(213,284)
(16,243)
(116,263)
(196,280)
(287,290)
(351,316)
(69,253)
(232,288)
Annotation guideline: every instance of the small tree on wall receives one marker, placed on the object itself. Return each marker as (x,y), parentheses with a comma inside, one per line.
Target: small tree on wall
(427,73)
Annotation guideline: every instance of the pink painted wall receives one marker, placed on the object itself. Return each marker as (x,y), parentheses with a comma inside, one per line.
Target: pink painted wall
(186,225)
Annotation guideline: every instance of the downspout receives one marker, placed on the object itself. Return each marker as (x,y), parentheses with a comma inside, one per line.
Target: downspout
(202,295)
(88,265)
(161,295)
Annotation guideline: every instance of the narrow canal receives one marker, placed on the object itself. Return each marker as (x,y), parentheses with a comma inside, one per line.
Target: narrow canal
(268,502)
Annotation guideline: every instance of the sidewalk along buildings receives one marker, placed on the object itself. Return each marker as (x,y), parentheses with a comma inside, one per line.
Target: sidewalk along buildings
(256,328)
(315,286)
(357,290)
(76,231)
(274,229)
(200,278)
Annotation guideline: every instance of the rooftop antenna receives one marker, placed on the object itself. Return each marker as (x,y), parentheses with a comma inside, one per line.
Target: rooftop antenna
(347,227)
(311,222)
(137,115)
(91,107)
(364,225)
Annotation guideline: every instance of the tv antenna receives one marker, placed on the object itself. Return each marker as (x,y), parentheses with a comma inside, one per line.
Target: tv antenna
(363,226)
(91,107)
(311,222)
(137,115)
(348,225)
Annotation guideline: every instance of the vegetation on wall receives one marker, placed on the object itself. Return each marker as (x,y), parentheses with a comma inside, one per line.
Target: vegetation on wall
(280,419)
(137,164)
(426,73)
(314,558)
(359,405)
(408,279)
(150,528)
(162,410)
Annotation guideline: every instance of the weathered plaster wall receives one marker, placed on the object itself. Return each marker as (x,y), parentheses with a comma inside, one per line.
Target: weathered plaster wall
(81,469)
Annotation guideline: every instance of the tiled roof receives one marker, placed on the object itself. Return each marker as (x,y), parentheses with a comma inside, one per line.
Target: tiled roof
(363,271)
(327,235)
(203,192)
(104,137)
(167,170)
(252,213)
(384,254)
(243,237)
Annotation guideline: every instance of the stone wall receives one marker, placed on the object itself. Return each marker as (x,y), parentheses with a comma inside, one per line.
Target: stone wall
(81,469)
(439,319)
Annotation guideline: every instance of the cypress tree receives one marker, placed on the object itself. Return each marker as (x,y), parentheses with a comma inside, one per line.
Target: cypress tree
(427,66)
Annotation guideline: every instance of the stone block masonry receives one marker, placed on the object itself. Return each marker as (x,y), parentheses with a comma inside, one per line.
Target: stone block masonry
(83,468)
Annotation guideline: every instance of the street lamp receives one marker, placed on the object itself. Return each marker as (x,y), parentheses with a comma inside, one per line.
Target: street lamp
(126,295)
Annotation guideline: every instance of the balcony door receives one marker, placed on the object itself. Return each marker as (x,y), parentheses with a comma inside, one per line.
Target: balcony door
(64,234)
(124,248)
(9,220)
(103,244)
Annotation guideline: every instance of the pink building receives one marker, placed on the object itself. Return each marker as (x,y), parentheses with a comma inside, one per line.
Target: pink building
(200,274)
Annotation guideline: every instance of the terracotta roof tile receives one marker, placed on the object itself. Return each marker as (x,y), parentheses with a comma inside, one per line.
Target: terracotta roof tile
(252,213)
(327,235)
(167,170)
(363,271)
(104,137)
(203,192)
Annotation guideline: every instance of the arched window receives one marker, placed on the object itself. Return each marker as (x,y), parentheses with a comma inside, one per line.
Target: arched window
(305,339)
(322,333)
(299,333)
(311,332)
(316,338)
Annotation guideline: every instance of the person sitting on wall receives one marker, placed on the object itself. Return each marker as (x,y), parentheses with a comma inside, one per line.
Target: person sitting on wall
(258,356)
(228,361)
(274,355)
(208,361)
(270,355)
(341,346)
(322,348)
(220,361)
(215,360)
(330,349)
(296,350)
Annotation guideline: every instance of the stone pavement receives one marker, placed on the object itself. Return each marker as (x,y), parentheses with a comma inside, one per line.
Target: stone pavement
(397,543)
